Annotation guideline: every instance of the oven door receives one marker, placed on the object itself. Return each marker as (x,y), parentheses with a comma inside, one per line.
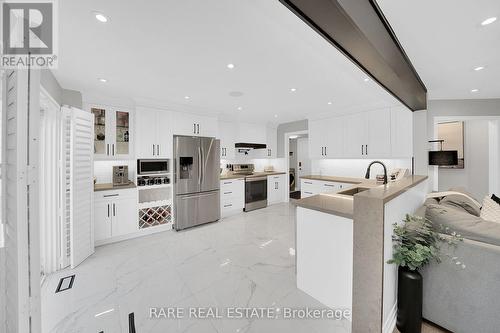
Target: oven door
(149,167)
(255,193)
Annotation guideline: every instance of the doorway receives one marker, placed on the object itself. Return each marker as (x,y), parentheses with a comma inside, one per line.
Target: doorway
(298,162)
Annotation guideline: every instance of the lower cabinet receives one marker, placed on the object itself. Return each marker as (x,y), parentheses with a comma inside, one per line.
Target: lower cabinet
(115,213)
(310,187)
(232,196)
(276,189)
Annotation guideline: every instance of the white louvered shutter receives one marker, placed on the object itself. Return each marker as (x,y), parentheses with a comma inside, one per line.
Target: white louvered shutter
(81,187)
(19,160)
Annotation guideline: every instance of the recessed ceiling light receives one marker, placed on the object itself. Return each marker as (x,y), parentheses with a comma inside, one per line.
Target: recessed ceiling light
(230,66)
(101,17)
(366,79)
(489,20)
(293,89)
(479,68)
(102,80)
(187,97)
(474,90)
(329,103)
(240,108)
(275,116)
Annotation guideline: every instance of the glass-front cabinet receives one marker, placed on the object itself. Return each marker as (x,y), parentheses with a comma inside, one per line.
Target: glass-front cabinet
(112,133)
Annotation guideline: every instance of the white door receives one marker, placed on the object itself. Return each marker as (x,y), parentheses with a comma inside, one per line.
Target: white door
(335,137)
(125,217)
(401,132)
(272,142)
(82,185)
(317,138)
(146,132)
(303,166)
(355,135)
(102,219)
(165,138)
(378,143)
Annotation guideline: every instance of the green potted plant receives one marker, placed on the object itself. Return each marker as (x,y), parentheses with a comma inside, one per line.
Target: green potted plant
(417,242)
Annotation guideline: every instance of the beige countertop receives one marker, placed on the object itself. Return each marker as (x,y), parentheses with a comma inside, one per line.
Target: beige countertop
(255,174)
(342,205)
(109,186)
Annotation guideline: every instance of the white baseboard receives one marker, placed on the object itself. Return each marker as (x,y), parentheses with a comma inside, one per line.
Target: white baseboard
(390,322)
(143,232)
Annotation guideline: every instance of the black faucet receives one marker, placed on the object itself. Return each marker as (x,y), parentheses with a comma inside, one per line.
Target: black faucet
(367,176)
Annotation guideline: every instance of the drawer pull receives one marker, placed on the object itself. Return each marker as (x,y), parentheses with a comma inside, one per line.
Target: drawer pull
(111,195)
(308,183)
(228,205)
(330,185)
(228,192)
(227,183)
(307,192)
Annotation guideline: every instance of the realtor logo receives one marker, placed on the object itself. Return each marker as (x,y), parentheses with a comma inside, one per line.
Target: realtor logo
(29,34)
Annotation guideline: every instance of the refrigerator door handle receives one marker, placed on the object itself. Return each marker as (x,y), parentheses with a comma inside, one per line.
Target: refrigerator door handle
(200,161)
(202,164)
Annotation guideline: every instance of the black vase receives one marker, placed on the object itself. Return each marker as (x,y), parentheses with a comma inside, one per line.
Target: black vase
(409,318)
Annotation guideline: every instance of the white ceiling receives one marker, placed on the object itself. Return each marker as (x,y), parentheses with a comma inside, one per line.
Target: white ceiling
(163,50)
(445,41)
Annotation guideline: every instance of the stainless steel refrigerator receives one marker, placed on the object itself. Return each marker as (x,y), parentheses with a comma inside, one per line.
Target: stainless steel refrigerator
(197,181)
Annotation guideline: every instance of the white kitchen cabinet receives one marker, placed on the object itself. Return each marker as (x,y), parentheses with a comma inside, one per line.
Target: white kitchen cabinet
(378,140)
(326,138)
(154,133)
(309,187)
(232,192)
(252,133)
(115,214)
(227,135)
(192,124)
(368,134)
(271,142)
(276,189)
(113,128)
(401,132)
(317,138)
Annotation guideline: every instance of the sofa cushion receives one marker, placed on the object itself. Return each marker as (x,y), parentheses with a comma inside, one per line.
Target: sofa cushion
(490,210)
(462,201)
(467,225)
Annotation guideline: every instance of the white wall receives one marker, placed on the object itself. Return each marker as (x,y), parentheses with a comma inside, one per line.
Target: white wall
(355,167)
(279,164)
(475,176)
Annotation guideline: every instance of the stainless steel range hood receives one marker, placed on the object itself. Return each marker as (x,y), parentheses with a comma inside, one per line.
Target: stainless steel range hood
(247,145)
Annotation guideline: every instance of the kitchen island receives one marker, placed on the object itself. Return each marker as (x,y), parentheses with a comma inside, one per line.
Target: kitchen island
(343,241)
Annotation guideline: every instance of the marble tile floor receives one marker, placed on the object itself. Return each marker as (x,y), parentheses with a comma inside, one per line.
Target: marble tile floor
(246,260)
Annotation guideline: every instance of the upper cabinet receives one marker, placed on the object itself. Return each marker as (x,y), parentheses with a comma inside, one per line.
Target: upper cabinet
(401,132)
(154,133)
(195,125)
(252,133)
(113,137)
(385,133)
(271,142)
(326,138)
(227,135)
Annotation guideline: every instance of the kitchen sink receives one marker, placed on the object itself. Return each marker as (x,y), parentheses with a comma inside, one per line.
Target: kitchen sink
(353,190)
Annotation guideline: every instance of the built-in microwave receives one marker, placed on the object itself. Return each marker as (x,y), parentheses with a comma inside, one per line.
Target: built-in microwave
(149,167)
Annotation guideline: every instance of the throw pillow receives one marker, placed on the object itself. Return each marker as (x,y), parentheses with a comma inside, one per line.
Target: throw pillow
(490,210)
(495,198)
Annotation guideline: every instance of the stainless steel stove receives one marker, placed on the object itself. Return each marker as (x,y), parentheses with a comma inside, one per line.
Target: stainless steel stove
(255,187)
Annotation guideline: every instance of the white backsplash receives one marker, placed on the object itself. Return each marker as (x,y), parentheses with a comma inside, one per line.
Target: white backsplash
(103,170)
(259,163)
(355,167)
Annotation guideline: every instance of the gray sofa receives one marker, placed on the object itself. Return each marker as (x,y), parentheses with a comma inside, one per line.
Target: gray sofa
(464,300)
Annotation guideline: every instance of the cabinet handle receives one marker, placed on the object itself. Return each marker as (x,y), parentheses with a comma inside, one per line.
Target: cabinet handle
(228,183)
(326,154)
(111,195)
(108,210)
(194,128)
(114,210)
(329,185)
(113,146)
(198,127)
(362,151)
(107,149)
(228,205)
(366,149)
(228,192)
(307,192)
(308,183)
(158,149)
